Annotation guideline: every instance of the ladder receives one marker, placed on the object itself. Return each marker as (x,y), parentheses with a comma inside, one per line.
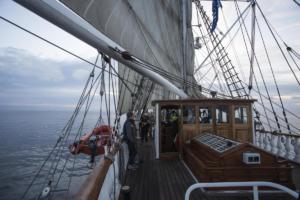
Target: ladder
(233,82)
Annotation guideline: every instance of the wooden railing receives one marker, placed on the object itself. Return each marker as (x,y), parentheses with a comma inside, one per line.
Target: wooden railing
(104,181)
(281,144)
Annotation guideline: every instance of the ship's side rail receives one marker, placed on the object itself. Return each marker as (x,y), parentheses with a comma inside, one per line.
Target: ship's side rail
(281,144)
(105,180)
(254,186)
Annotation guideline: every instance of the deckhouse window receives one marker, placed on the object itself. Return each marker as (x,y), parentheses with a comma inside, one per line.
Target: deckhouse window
(222,115)
(205,115)
(189,115)
(240,115)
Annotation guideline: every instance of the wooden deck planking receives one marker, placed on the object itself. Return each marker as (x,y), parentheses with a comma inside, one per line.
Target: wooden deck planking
(169,179)
(159,179)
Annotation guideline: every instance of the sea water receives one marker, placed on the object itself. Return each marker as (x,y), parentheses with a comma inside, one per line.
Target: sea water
(26,138)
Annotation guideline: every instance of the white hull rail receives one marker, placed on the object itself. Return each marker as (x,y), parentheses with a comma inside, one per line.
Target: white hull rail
(280,144)
(254,185)
(108,175)
(111,186)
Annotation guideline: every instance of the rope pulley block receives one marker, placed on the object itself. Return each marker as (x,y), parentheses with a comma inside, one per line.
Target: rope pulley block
(126,55)
(92,74)
(101,92)
(106,58)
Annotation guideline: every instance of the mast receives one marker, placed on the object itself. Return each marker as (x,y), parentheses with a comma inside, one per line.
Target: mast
(184,40)
(252,45)
(58,14)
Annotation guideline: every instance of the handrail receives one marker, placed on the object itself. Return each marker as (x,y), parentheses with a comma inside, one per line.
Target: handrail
(279,134)
(283,145)
(91,188)
(254,184)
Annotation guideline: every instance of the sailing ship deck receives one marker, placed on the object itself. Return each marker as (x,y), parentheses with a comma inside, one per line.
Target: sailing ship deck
(169,179)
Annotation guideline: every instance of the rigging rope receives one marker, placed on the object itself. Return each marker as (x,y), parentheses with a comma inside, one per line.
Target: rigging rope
(280,48)
(262,102)
(139,24)
(296,2)
(208,50)
(60,140)
(55,45)
(252,42)
(88,103)
(177,78)
(74,160)
(273,75)
(230,75)
(223,36)
(231,42)
(69,52)
(278,105)
(258,65)
(113,93)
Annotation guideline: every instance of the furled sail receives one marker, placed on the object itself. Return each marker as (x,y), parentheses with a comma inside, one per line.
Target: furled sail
(149,30)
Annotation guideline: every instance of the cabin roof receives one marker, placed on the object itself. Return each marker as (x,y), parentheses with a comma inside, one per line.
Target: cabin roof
(203,100)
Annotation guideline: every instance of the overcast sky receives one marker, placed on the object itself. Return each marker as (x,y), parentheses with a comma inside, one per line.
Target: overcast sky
(35,75)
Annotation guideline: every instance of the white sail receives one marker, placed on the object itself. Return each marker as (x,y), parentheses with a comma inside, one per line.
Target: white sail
(149,30)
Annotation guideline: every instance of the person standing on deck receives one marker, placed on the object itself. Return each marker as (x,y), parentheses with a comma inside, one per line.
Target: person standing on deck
(174,127)
(144,128)
(130,138)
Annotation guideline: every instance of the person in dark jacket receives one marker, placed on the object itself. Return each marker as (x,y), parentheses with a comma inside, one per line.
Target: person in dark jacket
(144,128)
(130,138)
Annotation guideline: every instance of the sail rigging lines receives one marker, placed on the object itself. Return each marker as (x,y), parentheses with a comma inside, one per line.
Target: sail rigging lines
(278,119)
(223,36)
(61,48)
(166,74)
(60,163)
(229,74)
(272,32)
(212,61)
(297,2)
(57,150)
(269,27)
(258,65)
(175,78)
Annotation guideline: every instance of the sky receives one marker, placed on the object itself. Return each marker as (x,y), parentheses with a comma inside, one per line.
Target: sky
(36,75)
(285,18)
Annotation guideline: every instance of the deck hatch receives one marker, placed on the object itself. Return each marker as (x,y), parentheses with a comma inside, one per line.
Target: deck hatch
(217,143)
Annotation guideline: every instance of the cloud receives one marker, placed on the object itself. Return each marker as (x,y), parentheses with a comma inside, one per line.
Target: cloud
(20,63)
(80,74)
(31,81)
(28,81)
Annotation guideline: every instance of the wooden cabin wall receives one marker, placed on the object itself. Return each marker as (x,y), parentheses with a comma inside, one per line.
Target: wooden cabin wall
(243,132)
(211,166)
(232,130)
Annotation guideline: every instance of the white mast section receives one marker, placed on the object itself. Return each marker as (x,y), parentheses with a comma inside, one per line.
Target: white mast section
(252,45)
(184,17)
(58,14)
